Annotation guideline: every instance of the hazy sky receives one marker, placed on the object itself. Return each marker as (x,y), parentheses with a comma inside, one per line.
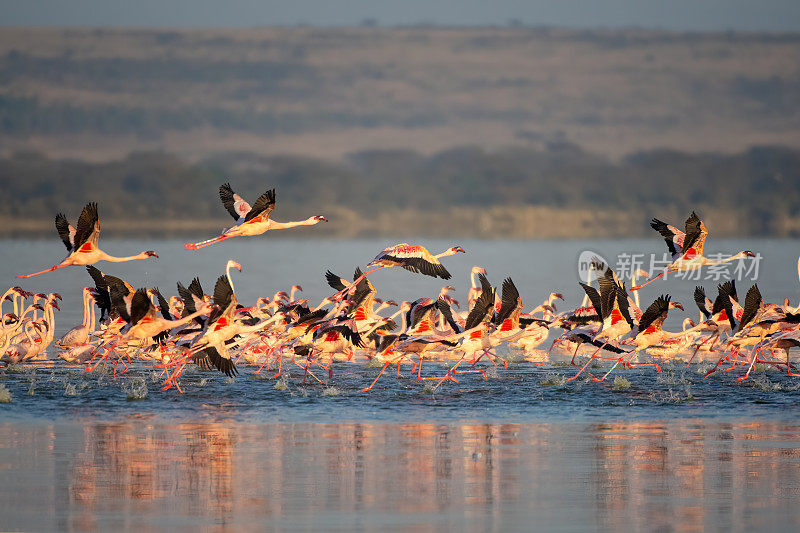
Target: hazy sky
(780,15)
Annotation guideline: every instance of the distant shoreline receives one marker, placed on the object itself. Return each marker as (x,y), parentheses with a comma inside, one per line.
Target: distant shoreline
(506,222)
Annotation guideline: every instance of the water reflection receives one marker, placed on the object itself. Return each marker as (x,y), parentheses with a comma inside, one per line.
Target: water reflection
(678,475)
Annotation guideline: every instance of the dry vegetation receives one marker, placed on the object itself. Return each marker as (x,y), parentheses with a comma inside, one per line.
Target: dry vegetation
(517,132)
(100,94)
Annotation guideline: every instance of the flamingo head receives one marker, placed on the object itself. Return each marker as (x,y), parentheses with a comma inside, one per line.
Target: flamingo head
(558,295)
(150,253)
(320,218)
(234,264)
(54,303)
(391,302)
(748,253)
(457,249)
(675,305)
(297,287)
(479,270)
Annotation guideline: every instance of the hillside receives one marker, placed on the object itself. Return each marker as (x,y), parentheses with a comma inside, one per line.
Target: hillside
(98,94)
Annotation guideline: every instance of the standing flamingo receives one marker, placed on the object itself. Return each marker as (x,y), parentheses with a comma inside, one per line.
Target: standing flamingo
(81,243)
(687,248)
(251,220)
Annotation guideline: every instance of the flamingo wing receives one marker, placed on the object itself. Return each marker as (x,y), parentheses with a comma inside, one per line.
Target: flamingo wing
(223,364)
(88,226)
(594,297)
(655,314)
(65,230)
(484,305)
(752,305)
(703,303)
(510,301)
(336,282)
(163,305)
(140,306)
(263,206)
(695,234)
(672,236)
(234,203)
(622,303)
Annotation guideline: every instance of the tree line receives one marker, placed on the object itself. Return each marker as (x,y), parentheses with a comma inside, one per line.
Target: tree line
(759,188)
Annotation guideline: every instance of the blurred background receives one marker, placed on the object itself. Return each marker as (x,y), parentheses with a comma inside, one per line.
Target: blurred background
(465,119)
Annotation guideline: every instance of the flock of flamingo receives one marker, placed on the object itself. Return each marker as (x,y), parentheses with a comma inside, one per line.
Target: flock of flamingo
(216,331)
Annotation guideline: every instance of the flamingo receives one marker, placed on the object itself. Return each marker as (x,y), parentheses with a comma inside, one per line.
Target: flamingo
(686,248)
(81,243)
(414,258)
(253,220)
(80,334)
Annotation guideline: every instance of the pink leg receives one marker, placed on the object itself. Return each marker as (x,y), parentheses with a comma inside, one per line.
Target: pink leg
(198,245)
(43,271)
(648,281)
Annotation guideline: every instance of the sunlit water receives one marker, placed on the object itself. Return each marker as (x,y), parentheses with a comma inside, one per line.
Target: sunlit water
(521,449)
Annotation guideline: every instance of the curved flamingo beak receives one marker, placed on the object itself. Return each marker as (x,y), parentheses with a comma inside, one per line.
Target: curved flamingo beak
(320,217)
(676,305)
(559,296)
(151,253)
(459,249)
(748,253)
(236,265)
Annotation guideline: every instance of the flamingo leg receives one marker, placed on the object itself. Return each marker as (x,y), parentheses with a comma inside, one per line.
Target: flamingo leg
(367,389)
(56,267)
(648,281)
(202,244)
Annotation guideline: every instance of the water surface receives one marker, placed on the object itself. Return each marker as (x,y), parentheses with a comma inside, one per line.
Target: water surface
(522,449)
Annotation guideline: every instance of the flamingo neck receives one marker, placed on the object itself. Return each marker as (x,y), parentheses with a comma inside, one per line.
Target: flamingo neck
(310,221)
(112,259)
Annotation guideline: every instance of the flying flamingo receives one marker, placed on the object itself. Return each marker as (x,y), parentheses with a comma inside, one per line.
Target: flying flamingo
(81,243)
(687,248)
(414,258)
(251,220)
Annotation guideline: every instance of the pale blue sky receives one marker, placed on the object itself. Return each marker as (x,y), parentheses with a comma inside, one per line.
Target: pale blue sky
(772,15)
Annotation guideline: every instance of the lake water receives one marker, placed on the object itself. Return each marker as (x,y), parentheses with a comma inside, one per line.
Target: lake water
(520,450)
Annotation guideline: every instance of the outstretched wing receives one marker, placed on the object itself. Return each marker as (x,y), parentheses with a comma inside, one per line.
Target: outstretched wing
(752,305)
(88,224)
(140,305)
(212,357)
(335,282)
(695,234)
(672,236)
(594,297)
(65,231)
(511,301)
(234,203)
(655,314)
(483,307)
(263,206)
(701,301)
(163,305)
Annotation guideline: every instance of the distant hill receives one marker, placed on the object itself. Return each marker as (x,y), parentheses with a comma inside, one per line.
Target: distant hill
(98,94)
(560,191)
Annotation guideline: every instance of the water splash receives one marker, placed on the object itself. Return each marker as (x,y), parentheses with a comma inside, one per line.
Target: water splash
(136,389)
(551,378)
(70,390)
(620,383)
(5,394)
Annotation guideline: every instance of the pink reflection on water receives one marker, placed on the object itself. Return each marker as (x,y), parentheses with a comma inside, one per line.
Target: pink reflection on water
(677,475)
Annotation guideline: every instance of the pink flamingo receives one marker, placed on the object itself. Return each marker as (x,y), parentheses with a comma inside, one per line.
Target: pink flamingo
(81,243)
(251,220)
(687,248)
